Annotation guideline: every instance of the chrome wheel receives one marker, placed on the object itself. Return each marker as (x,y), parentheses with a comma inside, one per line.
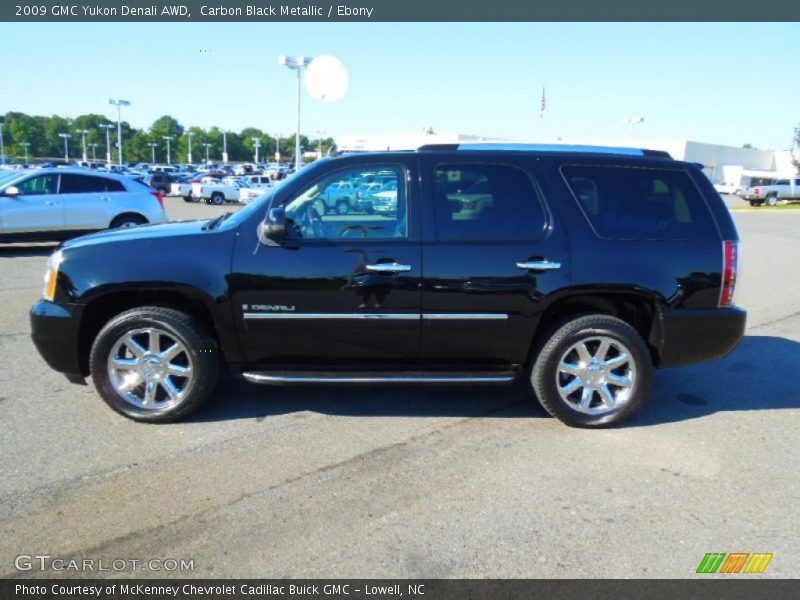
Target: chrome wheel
(150,369)
(596,375)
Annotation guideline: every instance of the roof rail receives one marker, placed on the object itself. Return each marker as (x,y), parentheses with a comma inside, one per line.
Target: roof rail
(561,148)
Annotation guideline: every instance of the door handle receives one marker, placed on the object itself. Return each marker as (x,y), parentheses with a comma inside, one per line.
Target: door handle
(388,267)
(49,203)
(539,265)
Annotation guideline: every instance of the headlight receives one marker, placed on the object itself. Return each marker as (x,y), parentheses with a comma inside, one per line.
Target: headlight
(51,275)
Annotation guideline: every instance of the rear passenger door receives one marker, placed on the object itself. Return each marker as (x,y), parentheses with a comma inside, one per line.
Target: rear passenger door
(87,200)
(491,252)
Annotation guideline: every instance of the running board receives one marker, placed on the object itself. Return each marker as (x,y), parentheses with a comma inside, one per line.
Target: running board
(351,377)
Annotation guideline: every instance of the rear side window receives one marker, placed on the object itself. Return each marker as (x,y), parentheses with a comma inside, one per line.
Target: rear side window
(87,184)
(639,203)
(485,202)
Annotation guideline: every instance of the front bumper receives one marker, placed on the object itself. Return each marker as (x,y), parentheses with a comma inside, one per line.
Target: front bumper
(55,332)
(689,336)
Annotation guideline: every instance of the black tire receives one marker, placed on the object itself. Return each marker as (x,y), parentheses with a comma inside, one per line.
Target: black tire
(124,221)
(343,206)
(200,351)
(163,191)
(188,199)
(217,198)
(772,200)
(754,203)
(590,329)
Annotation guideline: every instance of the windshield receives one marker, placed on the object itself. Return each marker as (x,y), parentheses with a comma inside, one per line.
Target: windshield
(8,175)
(258,204)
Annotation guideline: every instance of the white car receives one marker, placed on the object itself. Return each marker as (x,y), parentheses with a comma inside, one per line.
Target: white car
(56,204)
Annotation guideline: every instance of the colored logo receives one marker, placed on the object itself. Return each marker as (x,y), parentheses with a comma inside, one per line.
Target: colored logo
(734,562)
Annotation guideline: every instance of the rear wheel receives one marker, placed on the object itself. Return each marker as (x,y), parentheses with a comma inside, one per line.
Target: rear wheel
(593,371)
(755,203)
(127,221)
(154,364)
(772,200)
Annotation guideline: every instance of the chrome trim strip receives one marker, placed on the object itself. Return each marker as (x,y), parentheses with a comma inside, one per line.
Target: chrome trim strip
(377,316)
(400,378)
(381,316)
(539,265)
(464,316)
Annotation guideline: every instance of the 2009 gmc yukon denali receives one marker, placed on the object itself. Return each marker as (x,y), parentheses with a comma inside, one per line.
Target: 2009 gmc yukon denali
(578,269)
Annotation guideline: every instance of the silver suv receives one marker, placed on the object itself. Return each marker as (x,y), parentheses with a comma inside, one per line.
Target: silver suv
(52,204)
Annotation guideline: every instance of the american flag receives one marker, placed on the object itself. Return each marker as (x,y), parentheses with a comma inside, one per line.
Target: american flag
(544,104)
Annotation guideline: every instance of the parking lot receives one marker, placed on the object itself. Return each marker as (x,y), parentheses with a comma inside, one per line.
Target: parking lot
(422,482)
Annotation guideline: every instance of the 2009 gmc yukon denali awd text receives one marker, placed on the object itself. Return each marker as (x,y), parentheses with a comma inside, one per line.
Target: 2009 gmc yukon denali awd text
(577,269)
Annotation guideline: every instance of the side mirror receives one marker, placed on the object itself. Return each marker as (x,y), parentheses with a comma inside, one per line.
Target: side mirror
(272,230)
(11,191)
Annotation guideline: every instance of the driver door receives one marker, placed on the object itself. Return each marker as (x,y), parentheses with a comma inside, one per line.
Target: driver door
(37,207)
(343,288)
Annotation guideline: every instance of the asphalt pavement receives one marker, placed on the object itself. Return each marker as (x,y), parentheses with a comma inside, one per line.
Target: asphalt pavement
(423,482)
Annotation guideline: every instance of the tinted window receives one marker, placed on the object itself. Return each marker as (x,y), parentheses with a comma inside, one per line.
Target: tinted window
(485,202)
(342,206)
(43,184)
(87,184)
(634,203)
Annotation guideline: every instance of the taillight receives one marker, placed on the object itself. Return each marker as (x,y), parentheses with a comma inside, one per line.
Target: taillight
(730,268)
(159,197)
(757,191)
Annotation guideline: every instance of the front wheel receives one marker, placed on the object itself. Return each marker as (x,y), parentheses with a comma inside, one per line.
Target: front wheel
(217,198)
(343,207)
(593,371)
(154,364)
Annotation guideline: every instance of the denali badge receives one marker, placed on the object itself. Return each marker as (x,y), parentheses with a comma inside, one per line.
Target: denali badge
(270,307)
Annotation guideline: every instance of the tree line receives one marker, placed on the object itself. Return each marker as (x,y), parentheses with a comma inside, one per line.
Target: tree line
(41,134)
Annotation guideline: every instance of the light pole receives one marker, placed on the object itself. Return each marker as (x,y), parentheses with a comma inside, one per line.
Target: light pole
(119,103)
(83,133)
(153,147)
(107,127)
(207,146)
(256,144)
(319,136)
(25,149)
(224,146)
(632,123)
(189,154)
(277,147)
(169,139)
(2,146)
(65,137)
(93,146)
(296,63)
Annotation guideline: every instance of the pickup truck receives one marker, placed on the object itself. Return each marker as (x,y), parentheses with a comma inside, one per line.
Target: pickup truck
(215,191)
(782,189)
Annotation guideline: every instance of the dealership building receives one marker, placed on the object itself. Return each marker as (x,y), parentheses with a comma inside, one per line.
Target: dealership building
(722,164)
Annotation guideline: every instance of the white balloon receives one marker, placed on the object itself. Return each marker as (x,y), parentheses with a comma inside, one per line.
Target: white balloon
(326,79)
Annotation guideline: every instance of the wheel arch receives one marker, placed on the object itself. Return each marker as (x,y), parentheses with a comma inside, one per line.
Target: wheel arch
(638,309)
(101,309)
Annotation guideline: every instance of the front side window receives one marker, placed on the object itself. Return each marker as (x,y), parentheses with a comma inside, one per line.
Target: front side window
(485,202)
(639,203)
(39,185)
(367,202)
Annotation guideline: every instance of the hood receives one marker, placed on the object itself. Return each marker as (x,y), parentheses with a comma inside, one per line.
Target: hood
(142,232)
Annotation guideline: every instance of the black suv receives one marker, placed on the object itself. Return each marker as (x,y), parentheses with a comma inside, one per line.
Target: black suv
(577,269)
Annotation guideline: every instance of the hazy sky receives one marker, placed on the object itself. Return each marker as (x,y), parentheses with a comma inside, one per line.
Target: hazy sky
(718,83)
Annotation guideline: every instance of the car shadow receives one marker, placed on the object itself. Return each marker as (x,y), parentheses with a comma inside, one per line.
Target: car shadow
(26,250)
(759,375)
